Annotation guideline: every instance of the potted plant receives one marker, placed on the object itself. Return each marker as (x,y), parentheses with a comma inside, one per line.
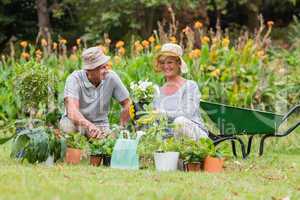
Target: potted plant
(192,153)
(75,144)
(96,151)
(214,160)
(108,146)
(166,157)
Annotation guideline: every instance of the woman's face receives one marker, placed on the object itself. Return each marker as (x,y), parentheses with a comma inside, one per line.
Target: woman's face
(169,66)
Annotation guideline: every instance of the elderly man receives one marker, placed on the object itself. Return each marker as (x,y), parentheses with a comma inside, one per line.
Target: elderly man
(88,93)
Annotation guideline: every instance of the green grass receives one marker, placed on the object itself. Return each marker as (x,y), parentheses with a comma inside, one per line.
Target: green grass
(273,176)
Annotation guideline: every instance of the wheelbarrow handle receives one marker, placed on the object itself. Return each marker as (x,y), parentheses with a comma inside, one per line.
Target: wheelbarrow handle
(291,111)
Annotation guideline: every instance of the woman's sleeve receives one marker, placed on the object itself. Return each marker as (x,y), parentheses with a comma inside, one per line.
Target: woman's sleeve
(189,102)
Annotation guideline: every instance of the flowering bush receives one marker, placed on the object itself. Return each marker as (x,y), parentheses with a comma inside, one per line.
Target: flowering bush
(143,91)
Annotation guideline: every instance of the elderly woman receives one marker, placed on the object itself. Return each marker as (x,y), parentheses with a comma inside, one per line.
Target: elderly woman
(178,98)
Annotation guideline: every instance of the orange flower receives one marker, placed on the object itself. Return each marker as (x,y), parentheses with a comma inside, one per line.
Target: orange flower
(195,53)
(173,39)
(73,57)
(24,44)
(78,41)
(121,51)
(120,44)
(270,24)
(25,55)
(107,41)
(104,49)
(205,40)
(157,47)
(38,53)
(145,43)
(109,64)
(138,47)
(44,42)
(54,45)
(151,39)
(198,25)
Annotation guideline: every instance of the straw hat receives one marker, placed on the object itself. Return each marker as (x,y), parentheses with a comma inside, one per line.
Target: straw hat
(171,49)
(93,57)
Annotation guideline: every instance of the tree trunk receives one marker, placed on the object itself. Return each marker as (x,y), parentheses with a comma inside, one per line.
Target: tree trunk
(43,18)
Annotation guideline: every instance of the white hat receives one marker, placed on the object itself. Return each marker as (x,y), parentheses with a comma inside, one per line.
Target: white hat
(93,57)
(174,50)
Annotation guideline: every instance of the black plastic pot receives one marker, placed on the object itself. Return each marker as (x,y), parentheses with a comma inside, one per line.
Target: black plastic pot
(106,160)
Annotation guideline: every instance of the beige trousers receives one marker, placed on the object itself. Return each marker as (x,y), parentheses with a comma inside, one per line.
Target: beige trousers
(184,126)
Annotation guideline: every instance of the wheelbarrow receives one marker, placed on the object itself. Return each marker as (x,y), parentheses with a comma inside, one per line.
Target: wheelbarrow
(234,122)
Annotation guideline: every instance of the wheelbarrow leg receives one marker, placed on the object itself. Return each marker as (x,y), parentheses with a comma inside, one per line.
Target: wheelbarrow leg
(242,147)
(249,145)
(262,141)
(233,148)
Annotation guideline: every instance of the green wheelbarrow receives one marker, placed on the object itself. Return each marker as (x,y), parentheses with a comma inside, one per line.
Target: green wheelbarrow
(234,122)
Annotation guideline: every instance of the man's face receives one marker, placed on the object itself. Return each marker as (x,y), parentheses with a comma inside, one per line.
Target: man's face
(99,73)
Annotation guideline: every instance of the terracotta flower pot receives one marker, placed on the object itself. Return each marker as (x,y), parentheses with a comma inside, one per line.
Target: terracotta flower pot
(73,156)
(193,167)
(95,160)
(214,165)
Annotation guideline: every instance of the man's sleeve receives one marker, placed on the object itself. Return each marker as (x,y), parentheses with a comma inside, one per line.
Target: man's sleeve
(120,92)
(71,87)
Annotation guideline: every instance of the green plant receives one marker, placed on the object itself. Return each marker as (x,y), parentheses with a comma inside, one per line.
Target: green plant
(108,146)
(96,147)
(35,145)
(76,140)
(142,91)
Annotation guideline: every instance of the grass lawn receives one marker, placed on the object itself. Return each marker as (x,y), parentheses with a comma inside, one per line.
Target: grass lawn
(276,175)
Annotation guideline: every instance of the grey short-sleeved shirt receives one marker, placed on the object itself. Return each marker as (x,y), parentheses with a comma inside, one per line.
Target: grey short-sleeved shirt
(94,102)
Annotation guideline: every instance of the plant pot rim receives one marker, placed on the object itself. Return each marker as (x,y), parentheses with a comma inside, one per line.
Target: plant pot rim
(215,157)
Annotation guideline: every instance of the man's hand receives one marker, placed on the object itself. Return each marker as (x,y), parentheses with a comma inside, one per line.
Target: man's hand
(95,132)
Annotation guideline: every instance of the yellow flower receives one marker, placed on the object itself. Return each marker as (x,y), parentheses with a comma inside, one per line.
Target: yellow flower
(44,42)
(63,41)
(216,73)
(173,39)
(132,112)
(117,59)
(145,43)
(54,45)
(78,41)
(157,47)
(270,24)
(121,51)
(260,53)
(198,25)
(24,44)
(213,56)
(25,55)
(120,44)
(151,39)
(204,40)
(225,42)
